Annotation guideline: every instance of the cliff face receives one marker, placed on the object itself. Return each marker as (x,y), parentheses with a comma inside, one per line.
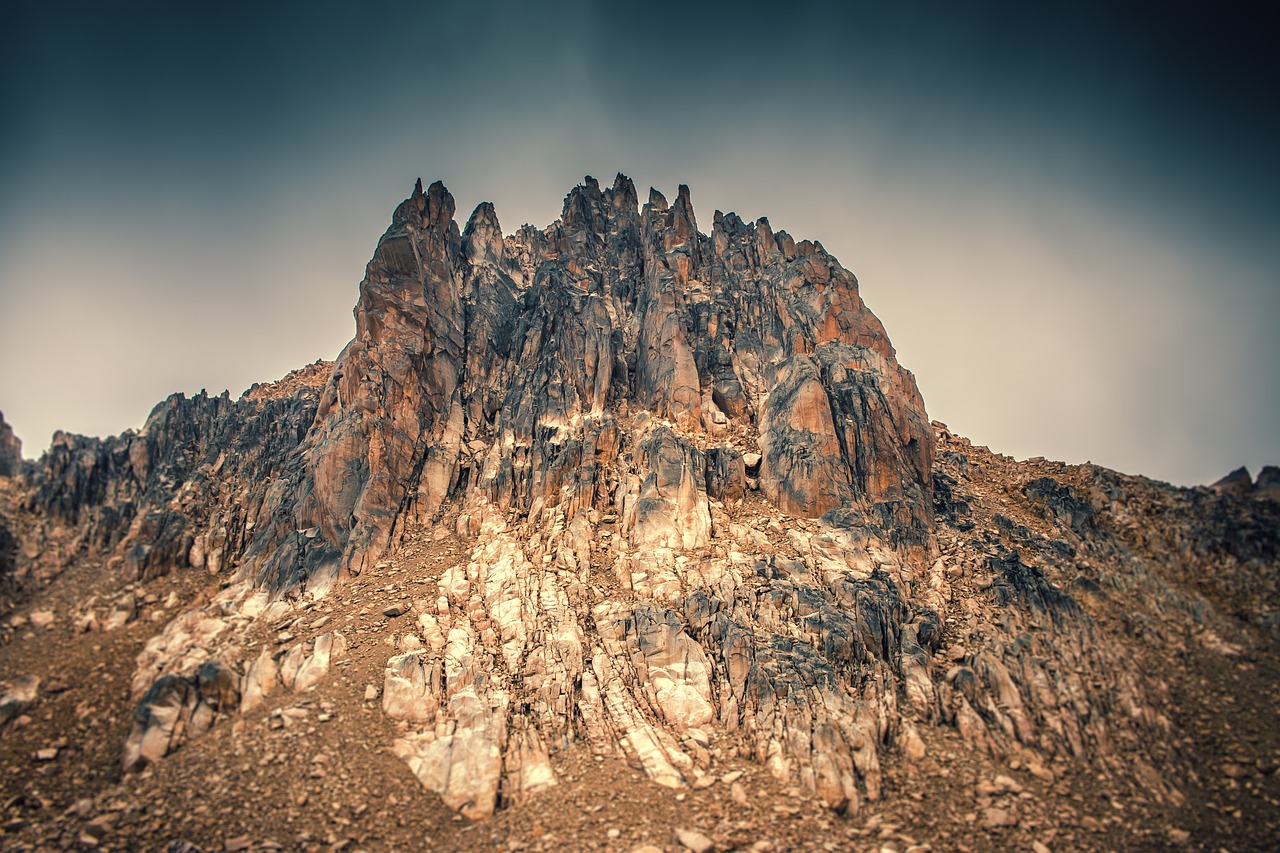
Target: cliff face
(666,496)
(512,367)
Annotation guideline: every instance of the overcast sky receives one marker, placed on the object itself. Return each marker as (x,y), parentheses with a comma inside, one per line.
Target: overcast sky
(1065,215)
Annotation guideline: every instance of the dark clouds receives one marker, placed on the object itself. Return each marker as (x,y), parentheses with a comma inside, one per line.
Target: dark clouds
(1065,213)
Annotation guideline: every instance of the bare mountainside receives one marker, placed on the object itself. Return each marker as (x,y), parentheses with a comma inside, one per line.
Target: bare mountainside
(615,534)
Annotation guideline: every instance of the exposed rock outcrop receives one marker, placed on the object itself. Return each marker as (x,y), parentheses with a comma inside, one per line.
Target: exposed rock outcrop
(504,363)
(175,708)
(10,451)
(188,489)
(680,504)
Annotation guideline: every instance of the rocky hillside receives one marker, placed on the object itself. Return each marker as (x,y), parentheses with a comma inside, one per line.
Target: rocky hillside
(617,533)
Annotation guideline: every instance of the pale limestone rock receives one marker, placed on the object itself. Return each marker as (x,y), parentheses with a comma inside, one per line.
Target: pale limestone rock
(260,679)
(329,647)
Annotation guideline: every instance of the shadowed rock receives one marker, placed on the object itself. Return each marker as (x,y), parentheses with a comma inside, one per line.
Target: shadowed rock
(10,451)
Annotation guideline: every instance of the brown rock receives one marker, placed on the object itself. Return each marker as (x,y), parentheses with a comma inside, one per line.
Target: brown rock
(695,841)
(997,818)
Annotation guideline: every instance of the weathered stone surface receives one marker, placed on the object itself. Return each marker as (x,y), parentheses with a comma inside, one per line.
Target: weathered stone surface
(19,695)
(10,451)
(260,679)
(1239,483)
(174,709)
(691,839)
(185,491)
(726,474)
(802,470)
(1268,483)
(666,501)
(326,649)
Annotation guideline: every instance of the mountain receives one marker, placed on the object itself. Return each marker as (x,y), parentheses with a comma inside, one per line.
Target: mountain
(611,533)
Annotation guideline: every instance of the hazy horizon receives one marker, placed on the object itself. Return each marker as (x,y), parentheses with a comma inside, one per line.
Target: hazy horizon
(1064,216)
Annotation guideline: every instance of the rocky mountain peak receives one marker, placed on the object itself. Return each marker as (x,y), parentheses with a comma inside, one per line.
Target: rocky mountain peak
(623,195)
(718,335)
(657,200)
(619,492)
(483,235)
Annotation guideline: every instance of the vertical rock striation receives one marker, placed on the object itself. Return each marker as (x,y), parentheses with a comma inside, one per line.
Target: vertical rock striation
(505,364)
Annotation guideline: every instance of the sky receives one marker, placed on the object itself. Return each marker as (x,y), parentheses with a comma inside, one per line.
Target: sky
(1065,214)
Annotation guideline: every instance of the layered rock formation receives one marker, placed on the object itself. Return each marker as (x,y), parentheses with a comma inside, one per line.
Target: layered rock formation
(660,494)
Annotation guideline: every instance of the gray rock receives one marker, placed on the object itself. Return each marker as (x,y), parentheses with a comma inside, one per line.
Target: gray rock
(20,694)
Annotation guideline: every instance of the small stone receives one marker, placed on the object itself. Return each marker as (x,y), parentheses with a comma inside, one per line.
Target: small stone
(1039,847)
(1091,823)
(1004,783)
(41,618)
(695,841)
(1178,836)
(997,818)
(47,754)
(986,788)
(614,833)
(100,826)
(394,610)
(738,793)
(913,748)
(370,692)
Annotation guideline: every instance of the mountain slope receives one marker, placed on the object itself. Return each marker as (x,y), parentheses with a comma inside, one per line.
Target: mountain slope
(615,497)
